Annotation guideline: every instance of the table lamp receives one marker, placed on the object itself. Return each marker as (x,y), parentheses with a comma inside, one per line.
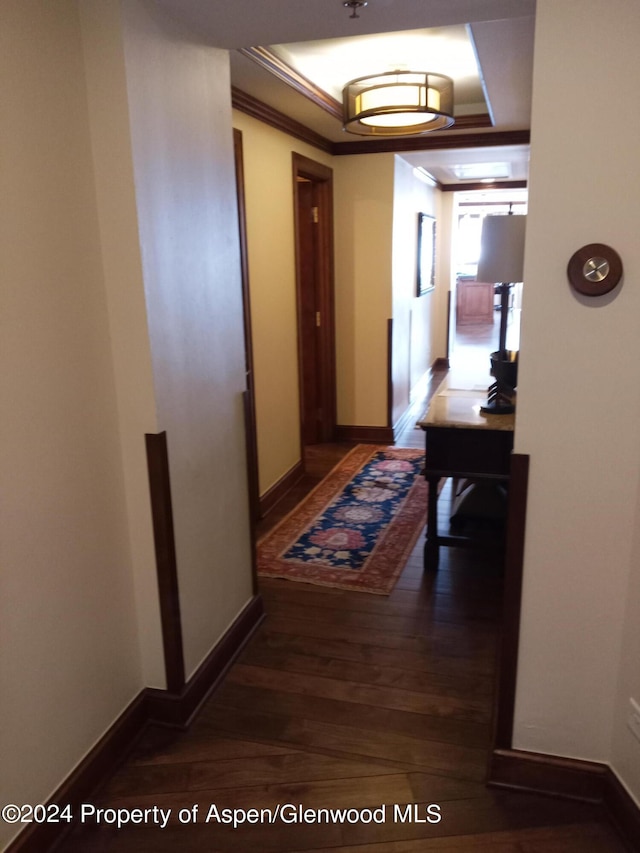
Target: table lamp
(501,262)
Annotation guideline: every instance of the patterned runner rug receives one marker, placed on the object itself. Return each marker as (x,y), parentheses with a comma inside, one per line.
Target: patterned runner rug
(357,528)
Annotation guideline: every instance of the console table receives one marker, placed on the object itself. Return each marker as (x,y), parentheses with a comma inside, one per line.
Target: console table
(461,442)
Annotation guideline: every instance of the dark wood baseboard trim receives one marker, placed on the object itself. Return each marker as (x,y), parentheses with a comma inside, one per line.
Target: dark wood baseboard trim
(177,710)
(98,764)
(568,778)
(409,418)
(150,707)
(440,364)
(547,774)
(271,497)
(365,434)
(623,810)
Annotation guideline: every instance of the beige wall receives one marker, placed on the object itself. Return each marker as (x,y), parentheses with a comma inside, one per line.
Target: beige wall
(414,347)
(272,275)
(366,255)
(128,330)
(180,113)
(69,657)
(363,240)
(579,395)
(363,211)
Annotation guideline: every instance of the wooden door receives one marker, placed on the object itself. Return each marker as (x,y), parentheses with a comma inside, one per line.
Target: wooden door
(313,206)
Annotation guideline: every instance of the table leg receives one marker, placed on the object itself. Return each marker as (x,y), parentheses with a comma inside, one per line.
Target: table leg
(431,548)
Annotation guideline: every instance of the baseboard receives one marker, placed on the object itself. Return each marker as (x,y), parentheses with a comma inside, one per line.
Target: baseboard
(408,419)
(623,809)
(150,707)
(365,434)
(177,710)
(547,774)
(570,779)
(98,764)
(280,489)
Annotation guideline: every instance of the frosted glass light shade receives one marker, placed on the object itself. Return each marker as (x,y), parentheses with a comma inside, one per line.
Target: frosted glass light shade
(399,103)
(502,249)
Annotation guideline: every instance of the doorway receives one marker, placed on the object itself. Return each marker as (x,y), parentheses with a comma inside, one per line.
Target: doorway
(313,211)
(474,310)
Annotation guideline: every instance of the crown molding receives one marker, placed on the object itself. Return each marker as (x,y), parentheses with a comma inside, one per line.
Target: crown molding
(441,140)
(251,106)
(272,63)
(257,109)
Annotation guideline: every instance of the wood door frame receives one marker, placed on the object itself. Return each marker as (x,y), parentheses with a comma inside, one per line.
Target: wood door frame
(251,430)
(322,177)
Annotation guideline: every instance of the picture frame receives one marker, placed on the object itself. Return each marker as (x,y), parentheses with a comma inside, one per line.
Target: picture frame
(426,279)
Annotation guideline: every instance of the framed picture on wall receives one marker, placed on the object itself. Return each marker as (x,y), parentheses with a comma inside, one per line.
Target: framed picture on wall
(426,253)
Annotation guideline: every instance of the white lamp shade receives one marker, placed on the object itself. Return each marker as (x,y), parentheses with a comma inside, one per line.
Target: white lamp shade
(502,249)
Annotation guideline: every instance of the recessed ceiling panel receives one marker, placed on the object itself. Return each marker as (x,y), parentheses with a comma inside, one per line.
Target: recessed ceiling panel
(457,165)
(331,63)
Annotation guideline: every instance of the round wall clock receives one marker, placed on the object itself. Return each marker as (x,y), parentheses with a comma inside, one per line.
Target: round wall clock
(594,269)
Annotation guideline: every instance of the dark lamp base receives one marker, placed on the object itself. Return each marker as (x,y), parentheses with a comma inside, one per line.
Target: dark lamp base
(499,401)
(498,408)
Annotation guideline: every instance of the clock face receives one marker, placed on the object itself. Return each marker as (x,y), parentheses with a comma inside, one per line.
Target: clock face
(594,269)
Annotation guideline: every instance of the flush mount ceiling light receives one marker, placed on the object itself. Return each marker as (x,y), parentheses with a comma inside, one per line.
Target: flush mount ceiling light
(354,5)
(398,103)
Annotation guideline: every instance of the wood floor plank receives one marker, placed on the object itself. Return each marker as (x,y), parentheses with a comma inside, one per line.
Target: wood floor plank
(393,748)
(471,707)
(458,684)
(482,605)
(363,717)
(425,660)
(288,767)
(483,816)
(166,746)
(408,624)
(465,644)
(574,838)
(469,817)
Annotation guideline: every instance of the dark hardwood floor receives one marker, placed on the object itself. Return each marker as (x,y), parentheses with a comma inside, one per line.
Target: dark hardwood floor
(346,700)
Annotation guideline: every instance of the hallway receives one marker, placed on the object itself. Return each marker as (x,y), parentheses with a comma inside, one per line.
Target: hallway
(348,700)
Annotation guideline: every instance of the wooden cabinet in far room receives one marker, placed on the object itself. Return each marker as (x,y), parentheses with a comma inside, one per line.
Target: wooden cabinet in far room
(474,301)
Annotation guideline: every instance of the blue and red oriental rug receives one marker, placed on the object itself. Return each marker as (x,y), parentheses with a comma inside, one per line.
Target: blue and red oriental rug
(357,528)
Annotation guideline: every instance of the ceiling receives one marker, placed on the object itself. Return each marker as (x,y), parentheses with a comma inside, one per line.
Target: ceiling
(309,38)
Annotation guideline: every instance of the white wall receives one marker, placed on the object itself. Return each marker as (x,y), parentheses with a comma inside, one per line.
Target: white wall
(69,658)
(579,390)
(414,349)
(180,114)
(625,758)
